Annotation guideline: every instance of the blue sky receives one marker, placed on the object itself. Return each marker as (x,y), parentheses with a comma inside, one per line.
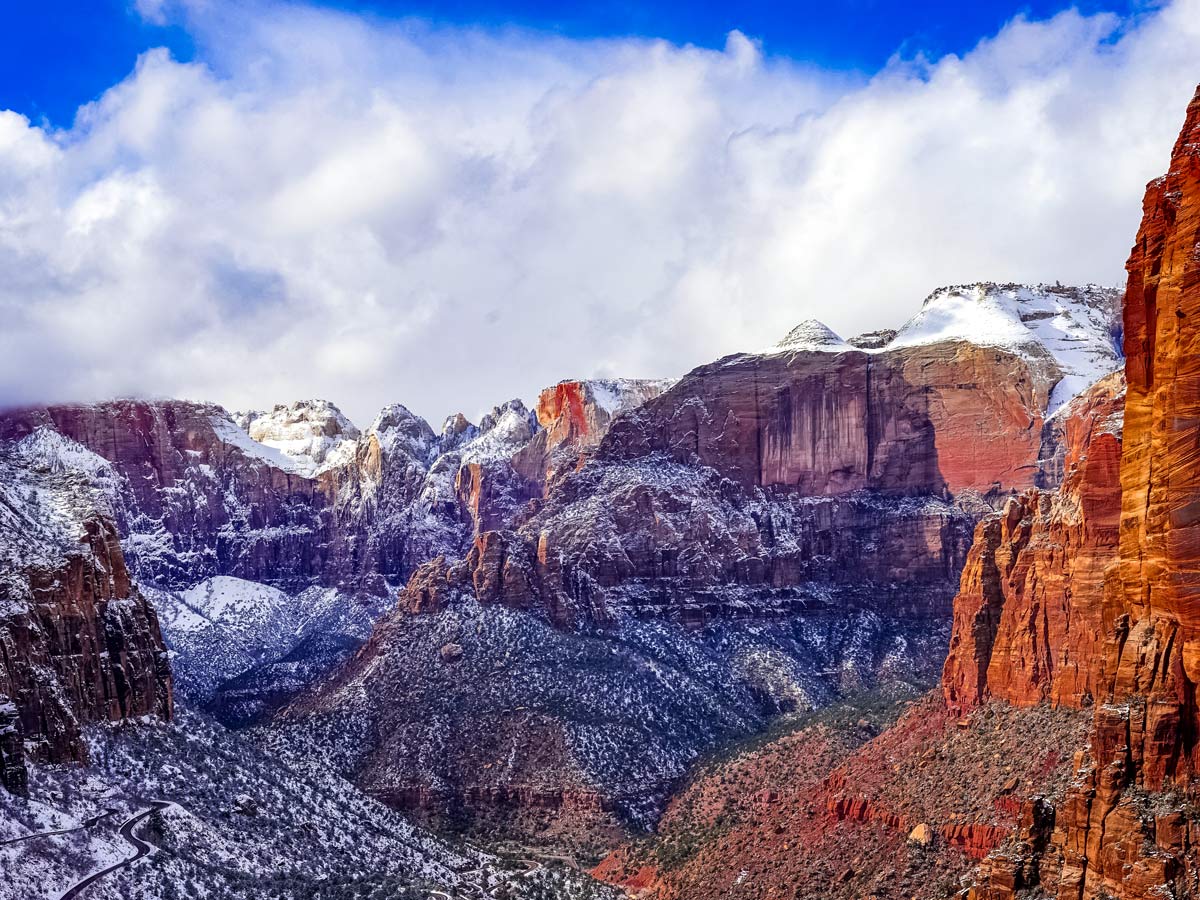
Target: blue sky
(58,54)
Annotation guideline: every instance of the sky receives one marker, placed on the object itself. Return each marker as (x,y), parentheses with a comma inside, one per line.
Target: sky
(449,204)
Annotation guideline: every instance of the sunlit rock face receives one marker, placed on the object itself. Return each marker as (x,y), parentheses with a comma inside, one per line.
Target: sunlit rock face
(1029,621)
(955,401)
(1125,828)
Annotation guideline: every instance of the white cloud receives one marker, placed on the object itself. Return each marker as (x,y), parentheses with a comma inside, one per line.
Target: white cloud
(376,212)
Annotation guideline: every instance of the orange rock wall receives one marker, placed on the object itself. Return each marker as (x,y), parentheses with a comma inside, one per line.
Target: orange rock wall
(917,420)
(1029,620)
(1127,827)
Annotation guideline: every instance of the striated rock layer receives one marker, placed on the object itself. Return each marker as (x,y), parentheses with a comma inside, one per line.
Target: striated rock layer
(918,420)
(1029,618)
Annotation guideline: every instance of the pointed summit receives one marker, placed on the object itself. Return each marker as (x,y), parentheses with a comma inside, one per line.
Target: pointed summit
(812,335)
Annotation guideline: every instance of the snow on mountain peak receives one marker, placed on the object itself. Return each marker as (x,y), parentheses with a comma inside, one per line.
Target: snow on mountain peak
(617,395)
(811,335)
(398,429)
(54,451)
(502,432)
(313,434)
(1076,327)
(1074,331)
(49,485)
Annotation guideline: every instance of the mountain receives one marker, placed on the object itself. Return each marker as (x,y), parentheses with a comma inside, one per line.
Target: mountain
(532,627)
(1060,749)
(79,644)
(771,532)
(905,615)
(1123,830)
(827,807)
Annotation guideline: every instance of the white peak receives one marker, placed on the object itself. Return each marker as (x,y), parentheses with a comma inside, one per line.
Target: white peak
(399,429)
(811,335)
(502,432)
(51,450)
(313,434)
(1076,327)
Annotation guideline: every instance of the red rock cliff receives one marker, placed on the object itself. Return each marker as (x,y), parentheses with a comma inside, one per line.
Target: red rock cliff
(1028,620)
(925,419)
(1127,826)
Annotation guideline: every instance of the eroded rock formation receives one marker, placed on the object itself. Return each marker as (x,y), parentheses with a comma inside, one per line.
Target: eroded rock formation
(1029,619)
(79,644)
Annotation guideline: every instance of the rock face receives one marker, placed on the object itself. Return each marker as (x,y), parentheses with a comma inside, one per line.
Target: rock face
(832,423)
(78,642)
(955,401)
(1029,619)
(576,414)
(1125,828)
(196,496)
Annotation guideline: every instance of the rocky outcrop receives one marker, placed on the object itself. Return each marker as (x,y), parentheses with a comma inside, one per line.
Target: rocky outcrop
(836,809)
(577,414)
(1029,620)
(903,422)
(13,775)
(196,496)
(313,435)
(79,644)
(955,401)
(688,546)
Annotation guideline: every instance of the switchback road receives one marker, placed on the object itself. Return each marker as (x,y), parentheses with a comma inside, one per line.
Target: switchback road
(141,848)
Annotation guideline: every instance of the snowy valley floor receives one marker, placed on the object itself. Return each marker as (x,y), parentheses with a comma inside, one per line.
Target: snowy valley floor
(240,824)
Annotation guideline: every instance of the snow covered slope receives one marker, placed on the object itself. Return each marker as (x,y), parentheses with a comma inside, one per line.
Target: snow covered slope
(49,485)
(244,824)
(310,435)
(223,628)
(1076,329)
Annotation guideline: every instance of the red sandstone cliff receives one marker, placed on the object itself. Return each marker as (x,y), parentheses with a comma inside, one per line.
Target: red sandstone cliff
(1126,827)
(915,420)
(1029,619)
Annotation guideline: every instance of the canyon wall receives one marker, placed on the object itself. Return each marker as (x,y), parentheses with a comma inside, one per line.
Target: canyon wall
(1113,605)
(928,419)
(1029,620)
(79,644)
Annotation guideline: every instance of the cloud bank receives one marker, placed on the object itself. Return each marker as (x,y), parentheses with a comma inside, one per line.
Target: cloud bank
(380,212)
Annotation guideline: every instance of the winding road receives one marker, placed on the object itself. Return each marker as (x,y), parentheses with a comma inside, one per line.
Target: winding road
(140,847)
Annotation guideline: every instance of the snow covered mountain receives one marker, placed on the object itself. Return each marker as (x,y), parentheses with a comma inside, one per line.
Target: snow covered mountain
(1072,333)
(311,435)
(511,625)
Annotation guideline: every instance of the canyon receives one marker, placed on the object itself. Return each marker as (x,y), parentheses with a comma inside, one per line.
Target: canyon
(910,614)
(1059,751)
